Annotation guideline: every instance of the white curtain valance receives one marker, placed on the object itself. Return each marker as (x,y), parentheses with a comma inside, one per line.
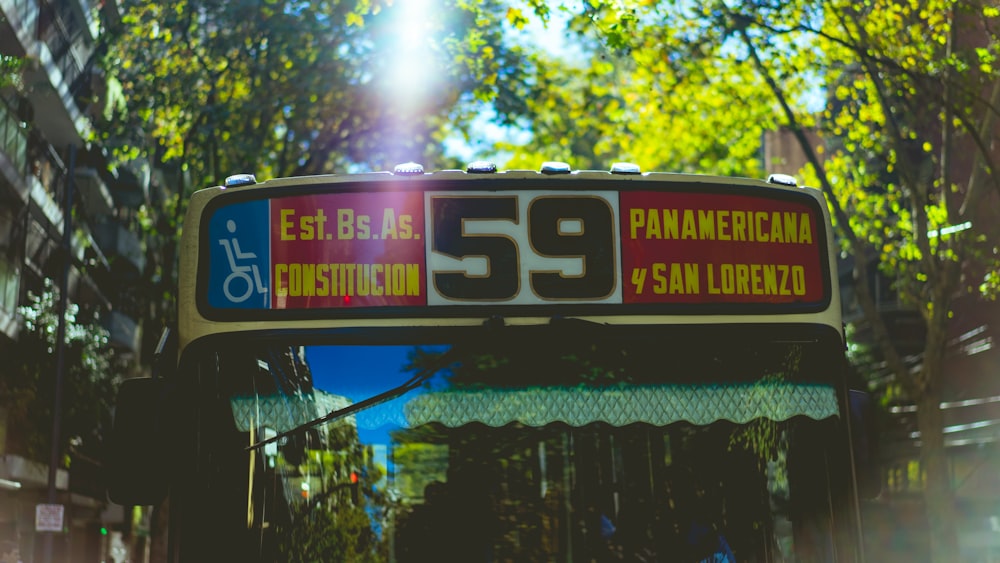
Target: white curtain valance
(657,405)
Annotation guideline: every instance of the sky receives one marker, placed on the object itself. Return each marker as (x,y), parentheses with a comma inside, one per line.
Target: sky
(359,373)
(550,38)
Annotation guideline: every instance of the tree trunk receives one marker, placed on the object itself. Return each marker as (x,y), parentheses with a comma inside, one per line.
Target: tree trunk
(939,498)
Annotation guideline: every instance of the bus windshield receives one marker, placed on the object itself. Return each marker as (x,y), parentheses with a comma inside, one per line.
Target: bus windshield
(591,446)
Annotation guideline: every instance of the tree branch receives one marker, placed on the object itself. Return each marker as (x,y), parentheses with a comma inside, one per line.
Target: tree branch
(858,248)
(917,186)
(983,161)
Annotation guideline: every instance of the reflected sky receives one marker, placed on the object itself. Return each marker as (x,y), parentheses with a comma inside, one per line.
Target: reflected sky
(360,372)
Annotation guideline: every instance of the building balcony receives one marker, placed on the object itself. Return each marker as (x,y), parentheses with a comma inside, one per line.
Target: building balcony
(19,17)
(121,246)
(13,146)
(124,332)
(94,194)
(30,474)
(127,183)
(130,183)
(57,41)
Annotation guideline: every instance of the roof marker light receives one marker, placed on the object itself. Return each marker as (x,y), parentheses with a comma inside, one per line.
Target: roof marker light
(409,169)
(238,180)
(625,168)
(553,167)
(782,179)
(481,167)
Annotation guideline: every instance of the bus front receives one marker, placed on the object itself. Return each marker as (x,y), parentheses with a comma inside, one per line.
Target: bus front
(510,367)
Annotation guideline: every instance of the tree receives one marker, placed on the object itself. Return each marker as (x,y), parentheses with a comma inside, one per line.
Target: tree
(285,88)
(89,388)
(629,97)
(10,69)
(338,522)
(904,98)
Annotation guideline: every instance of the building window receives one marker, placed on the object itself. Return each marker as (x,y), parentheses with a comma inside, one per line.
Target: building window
(9,278)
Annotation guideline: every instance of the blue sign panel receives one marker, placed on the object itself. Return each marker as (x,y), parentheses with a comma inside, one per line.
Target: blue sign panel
(239,256)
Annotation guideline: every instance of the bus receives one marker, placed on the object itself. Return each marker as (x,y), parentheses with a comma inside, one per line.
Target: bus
(481,365)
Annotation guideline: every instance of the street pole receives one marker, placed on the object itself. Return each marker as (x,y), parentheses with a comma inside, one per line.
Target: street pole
(67,250)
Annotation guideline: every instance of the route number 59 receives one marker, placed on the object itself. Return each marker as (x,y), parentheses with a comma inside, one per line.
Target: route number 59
(528,248)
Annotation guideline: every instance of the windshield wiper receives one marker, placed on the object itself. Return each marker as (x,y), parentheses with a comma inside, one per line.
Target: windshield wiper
(417,380)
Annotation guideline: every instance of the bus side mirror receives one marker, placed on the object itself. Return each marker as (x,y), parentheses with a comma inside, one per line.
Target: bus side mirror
(137,458)
(864,444)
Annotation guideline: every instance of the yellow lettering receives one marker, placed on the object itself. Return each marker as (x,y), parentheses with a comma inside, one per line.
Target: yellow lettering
(295,280)
(739,225)
(308,280)
(688,228)
(805,229)
(731,279)
(636,220)
(759,220)
(776,234)
(336,281)
(653,225)
(722,217)
(306,226)
(706,225)
(322,283)
(691,278)
(377,289)
(280,270)
(770,280)
(364,231)
(346,280)
(742,279)
(345,224)
(728,279)
(399,279)
(676,279)
(798,280)
(287,224)
(320,224)
(670,223)
(659,279)
(638,279)
(351,272)
(364,279)
(791,227)
(783,284)
(712,289)
(405,227)
(413,279)
(389,224)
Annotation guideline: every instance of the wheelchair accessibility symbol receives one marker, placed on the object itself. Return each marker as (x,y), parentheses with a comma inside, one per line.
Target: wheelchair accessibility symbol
(243,279)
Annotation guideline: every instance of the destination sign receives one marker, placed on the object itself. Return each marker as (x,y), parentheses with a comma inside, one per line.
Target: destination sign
(422,249)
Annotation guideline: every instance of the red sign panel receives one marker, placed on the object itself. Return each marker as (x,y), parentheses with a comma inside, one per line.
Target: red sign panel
(683,247)
(347,250)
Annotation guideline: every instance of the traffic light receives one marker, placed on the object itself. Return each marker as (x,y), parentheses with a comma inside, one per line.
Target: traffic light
(355,488)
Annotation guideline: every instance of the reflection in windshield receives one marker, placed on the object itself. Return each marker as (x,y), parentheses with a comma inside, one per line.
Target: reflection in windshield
(536,452)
